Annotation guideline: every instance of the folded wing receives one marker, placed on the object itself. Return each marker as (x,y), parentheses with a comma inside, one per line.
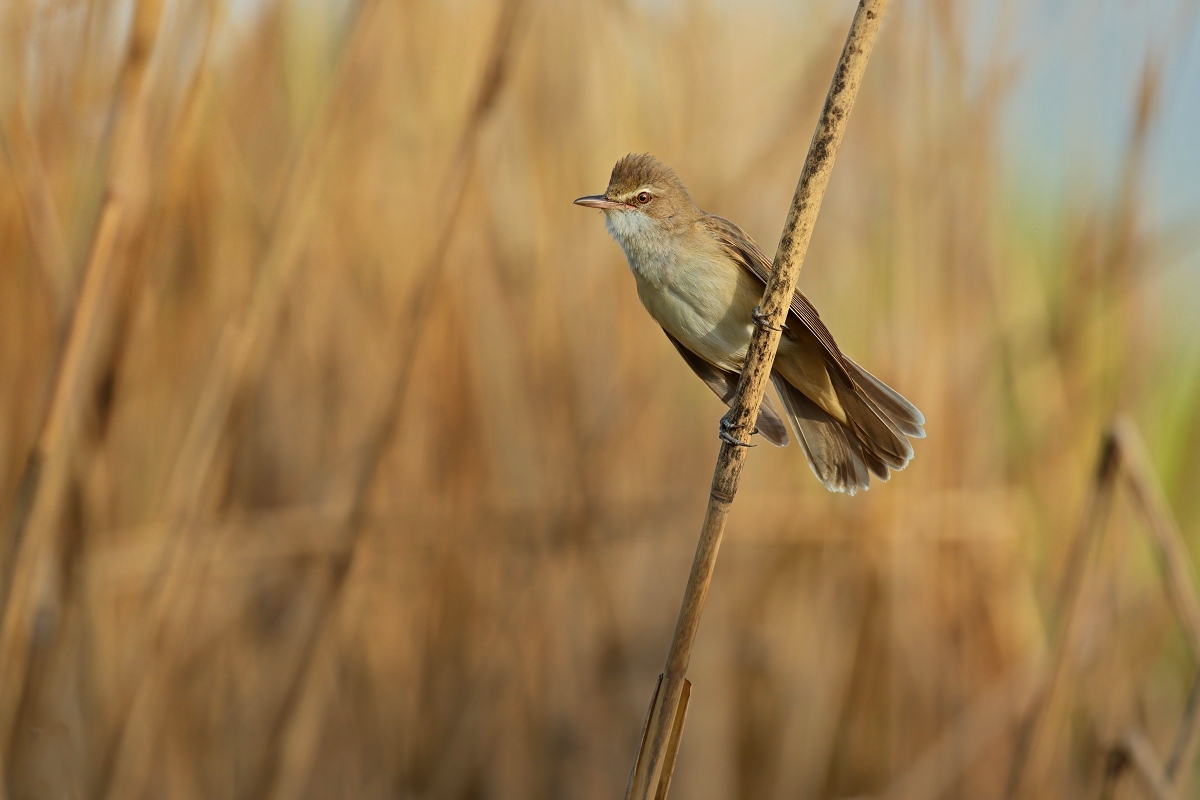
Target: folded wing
(879,421)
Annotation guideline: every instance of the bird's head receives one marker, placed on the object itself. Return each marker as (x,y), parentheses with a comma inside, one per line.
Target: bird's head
(644,198)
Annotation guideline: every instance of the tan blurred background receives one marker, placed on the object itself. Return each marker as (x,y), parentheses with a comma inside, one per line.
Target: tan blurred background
(338,458)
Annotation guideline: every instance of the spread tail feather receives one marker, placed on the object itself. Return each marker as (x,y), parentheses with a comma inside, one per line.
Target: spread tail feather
(834,453)
(875,440)
(903,414)
(873,426)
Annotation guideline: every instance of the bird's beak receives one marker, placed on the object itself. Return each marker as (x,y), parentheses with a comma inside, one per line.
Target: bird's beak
(598,201)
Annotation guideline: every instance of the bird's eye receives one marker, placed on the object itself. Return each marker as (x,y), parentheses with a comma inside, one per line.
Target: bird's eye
(643,198)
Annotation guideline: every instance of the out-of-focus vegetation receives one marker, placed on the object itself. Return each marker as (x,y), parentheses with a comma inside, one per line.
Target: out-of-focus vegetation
(339,459)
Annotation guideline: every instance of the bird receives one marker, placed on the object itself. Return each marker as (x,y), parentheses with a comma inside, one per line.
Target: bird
(701,278)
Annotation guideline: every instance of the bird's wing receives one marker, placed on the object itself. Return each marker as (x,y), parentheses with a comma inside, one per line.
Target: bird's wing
(743,250)
(724,386)
(881,420)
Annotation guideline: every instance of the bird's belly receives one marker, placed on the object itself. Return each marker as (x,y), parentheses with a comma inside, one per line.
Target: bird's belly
(707,306)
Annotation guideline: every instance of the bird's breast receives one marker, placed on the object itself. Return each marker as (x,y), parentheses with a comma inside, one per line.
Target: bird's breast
(705,301)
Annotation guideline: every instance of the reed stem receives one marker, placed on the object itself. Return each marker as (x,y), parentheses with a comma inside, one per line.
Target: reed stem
(651,772)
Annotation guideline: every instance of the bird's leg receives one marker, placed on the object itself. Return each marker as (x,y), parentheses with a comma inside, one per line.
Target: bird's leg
(727,427)
(726,433)
(761,321)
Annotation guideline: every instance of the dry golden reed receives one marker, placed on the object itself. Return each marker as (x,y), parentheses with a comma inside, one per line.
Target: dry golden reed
(338,459)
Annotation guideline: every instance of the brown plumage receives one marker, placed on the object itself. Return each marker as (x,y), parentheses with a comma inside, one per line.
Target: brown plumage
(700,276)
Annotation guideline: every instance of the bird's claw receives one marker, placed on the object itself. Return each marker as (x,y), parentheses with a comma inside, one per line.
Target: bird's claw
(761,321)
(725,433)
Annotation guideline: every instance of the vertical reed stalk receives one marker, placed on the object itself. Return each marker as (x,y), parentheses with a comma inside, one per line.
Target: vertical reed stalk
(240,357)
(1031,732)
(31,606)
(1123,458)
(651,774)
(46,234)
(1179,578)
(1134,750)
(295,736)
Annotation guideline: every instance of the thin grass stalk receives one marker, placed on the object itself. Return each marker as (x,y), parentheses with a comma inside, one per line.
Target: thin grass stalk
(1134,750)
(1124,454)
(650,776)
(1091,527)
(31,607)
(1179,577)
(240,357)
(1123,457)
(135,186)
(1185,735)
(244,344)
(50,245)
(296,736)
(37,201)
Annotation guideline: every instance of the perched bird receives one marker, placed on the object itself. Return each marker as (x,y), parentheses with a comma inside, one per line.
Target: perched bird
(701,278)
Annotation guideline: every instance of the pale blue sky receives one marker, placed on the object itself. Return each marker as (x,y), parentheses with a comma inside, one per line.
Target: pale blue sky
(1069,122)
(1071,110)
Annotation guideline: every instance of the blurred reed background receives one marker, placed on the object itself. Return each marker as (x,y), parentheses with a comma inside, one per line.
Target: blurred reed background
(340,460)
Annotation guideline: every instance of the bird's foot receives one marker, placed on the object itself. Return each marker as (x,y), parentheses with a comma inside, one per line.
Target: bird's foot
(726,430)
(761,321)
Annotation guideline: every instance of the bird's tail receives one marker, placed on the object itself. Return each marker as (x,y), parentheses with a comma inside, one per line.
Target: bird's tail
(875,441)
